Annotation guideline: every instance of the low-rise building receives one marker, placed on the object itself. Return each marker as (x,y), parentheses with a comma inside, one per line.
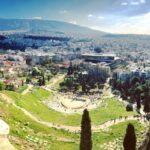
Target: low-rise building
(96,58)
(38,57)
(139,73)
(99,70)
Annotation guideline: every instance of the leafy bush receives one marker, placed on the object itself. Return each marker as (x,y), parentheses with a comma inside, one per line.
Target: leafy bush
(129,107)
(116,92)
(2,86)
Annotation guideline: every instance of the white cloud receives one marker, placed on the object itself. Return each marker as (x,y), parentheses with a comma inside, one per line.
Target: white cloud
(90,15)
(100,17)
(135,3)
(133,25)
(73,22)
(97,28)
(95,17)
(138,2)
(124,3)
(142,1)
(38,18)
(63,12)
(137,24)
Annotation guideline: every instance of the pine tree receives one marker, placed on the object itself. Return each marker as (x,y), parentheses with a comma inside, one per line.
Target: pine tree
(43,80)
(86,134)
(129,142)
(146,103)
(138,91)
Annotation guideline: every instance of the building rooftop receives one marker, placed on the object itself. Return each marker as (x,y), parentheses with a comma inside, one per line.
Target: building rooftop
(38,53)
(101,54)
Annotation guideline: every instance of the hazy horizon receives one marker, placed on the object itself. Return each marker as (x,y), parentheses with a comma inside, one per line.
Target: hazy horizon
(112,16)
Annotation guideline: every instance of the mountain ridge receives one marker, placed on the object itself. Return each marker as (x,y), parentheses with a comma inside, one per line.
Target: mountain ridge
(35,25)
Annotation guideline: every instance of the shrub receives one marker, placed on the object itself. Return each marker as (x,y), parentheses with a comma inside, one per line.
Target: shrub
(129,107)
(116,92)
(2,86)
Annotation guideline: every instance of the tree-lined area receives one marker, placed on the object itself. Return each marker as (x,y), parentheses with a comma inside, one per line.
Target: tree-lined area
(134,90)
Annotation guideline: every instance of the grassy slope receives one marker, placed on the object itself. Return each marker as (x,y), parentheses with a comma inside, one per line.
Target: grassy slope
(110,109)
(24,133)
(117,131)
(32,102)
(22,88)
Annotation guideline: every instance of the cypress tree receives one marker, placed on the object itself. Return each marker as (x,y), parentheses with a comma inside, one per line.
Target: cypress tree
(129,142)
(43,80)
(146,103)
(86,134)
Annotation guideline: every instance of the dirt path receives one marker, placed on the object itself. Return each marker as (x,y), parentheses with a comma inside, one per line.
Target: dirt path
(47,87)
(74,129)
(50,87)
(55,80)
(27,90)
(5,144)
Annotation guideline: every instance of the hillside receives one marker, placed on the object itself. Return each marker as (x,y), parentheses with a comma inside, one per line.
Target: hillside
(30,25)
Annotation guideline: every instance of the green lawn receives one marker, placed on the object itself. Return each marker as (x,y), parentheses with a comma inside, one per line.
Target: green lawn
(26,133)
(22,88)
(32,102)
(117,132)
(110,109)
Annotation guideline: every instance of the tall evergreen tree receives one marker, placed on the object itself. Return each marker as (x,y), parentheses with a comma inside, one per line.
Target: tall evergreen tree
(146,100)
(43,79)
(86,134)
(70,69)
(129,142)
(146,106)
(138,91)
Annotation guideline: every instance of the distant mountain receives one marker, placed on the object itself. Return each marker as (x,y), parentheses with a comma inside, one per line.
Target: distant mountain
(29,25)
(121,36)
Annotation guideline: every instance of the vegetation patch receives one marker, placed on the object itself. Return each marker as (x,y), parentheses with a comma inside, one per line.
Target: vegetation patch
(113,138)
(27,134)
(32,102)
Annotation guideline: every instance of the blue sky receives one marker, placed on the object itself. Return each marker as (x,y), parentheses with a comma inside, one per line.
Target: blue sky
(117,16)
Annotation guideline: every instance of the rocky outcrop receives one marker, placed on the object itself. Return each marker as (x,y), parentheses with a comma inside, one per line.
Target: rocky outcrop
(4,132)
